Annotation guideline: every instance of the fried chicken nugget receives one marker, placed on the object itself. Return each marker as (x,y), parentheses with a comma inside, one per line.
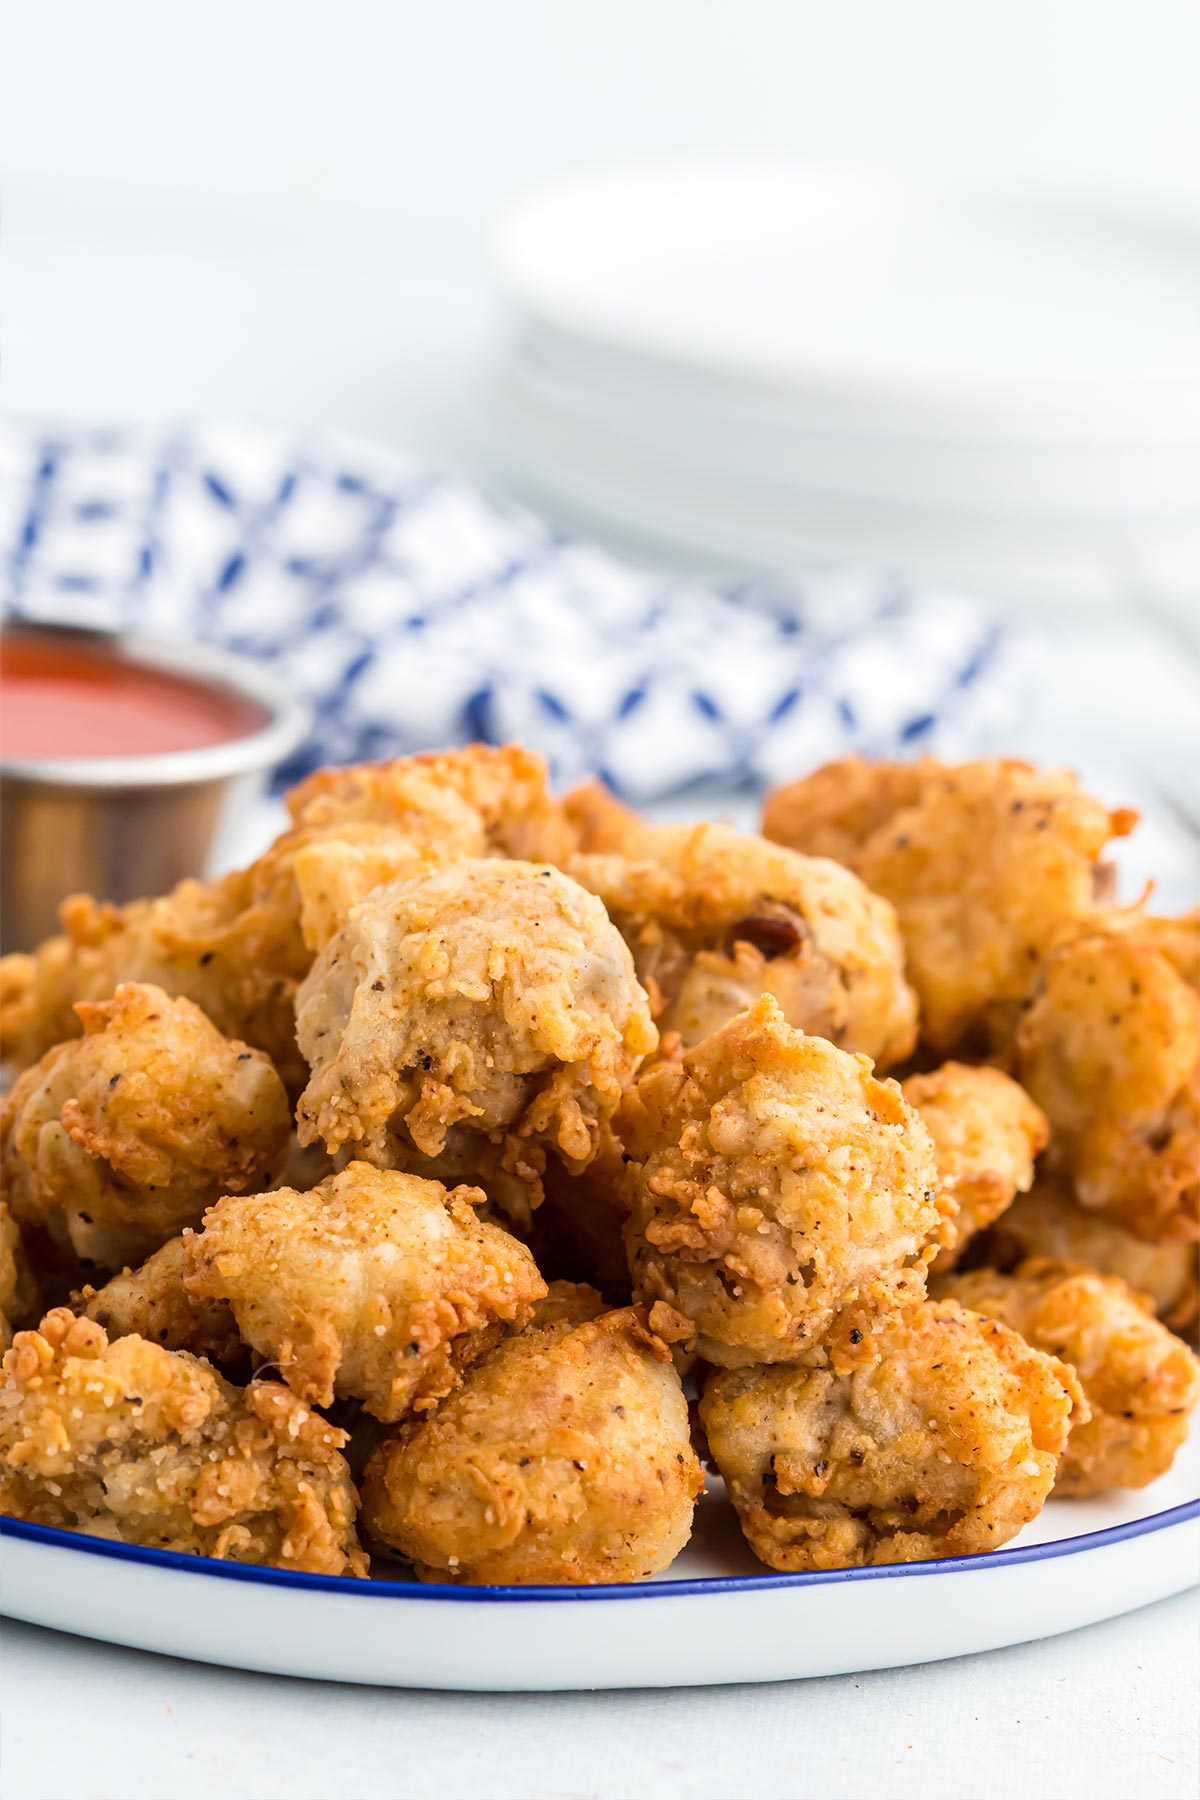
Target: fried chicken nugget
(356,827)
(716,917)
(986,1133)
(465,1020)
(1140,1381)
(772,1182)
(375,1286)
(332,870)
(983,863)
(118,1139)
(566,1302)
(564,1457)
(1109,1046)
(501,789)
(150,1446)
(944,1444)
(839,807)
(152,1302)
(240,946)
(18,1285)
(480,801)
(1049,1222)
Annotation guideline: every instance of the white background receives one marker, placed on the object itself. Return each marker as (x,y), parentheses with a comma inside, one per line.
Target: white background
(279,210)
(279,207)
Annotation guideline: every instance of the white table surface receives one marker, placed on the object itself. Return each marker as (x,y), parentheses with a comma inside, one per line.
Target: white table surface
(1103,1714)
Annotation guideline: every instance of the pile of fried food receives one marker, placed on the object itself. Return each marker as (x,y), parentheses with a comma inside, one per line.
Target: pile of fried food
(458,1176)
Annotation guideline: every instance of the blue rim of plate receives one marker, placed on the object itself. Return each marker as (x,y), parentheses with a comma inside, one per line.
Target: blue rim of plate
(700,1584)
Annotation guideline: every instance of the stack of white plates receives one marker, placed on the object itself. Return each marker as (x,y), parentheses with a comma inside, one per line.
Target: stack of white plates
(767,366)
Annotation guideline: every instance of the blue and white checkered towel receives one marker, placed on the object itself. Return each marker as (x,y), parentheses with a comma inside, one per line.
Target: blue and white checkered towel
(411,612)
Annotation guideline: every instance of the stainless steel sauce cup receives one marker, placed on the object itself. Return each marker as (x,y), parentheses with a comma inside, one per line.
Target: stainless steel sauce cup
(120,827)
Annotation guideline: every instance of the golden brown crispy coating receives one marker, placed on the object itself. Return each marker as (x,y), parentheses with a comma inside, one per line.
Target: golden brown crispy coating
(1110,1048)
(221,944)
(986,1133)
(18,1285)
(599,821)
(334,869)
(1048,1221)
(375,1286)
(566,1302)
(1178,939)
(152,1302)
(151,1446)
(361,826)
(117,1140)
(716,917)
(984,864)
(773,1182)
(500,789)
(840,806)
(1140,1381)
(944,1444)
(37,995)
(237,946)
(564,1457)
(465,1020)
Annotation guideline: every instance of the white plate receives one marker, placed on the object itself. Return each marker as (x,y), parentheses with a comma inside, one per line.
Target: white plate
(688,428)
(732,526)
(880,299)
(718,1616)
(770,365)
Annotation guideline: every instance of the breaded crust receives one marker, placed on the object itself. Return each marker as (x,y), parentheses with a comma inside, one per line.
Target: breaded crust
(117,1140)
(375,1286)
(564,1457)
(151,1446)
(772,1184)
(1141,1382)
(945,1443)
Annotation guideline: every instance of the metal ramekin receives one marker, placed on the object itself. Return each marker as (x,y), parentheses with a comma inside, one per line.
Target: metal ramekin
(120,827)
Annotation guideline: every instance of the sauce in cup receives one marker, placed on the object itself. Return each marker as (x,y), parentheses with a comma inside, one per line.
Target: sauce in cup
(120,756)
(66,700)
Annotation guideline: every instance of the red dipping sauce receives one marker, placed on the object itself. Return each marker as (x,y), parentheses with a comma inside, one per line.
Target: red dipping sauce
(66,700)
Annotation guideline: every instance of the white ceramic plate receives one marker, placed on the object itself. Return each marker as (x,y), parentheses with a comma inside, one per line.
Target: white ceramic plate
(882,300)
(772,365)
(728,525)
(690,429)
(718,1616)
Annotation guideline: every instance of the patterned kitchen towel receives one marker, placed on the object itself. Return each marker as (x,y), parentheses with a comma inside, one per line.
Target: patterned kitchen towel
(410,611)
